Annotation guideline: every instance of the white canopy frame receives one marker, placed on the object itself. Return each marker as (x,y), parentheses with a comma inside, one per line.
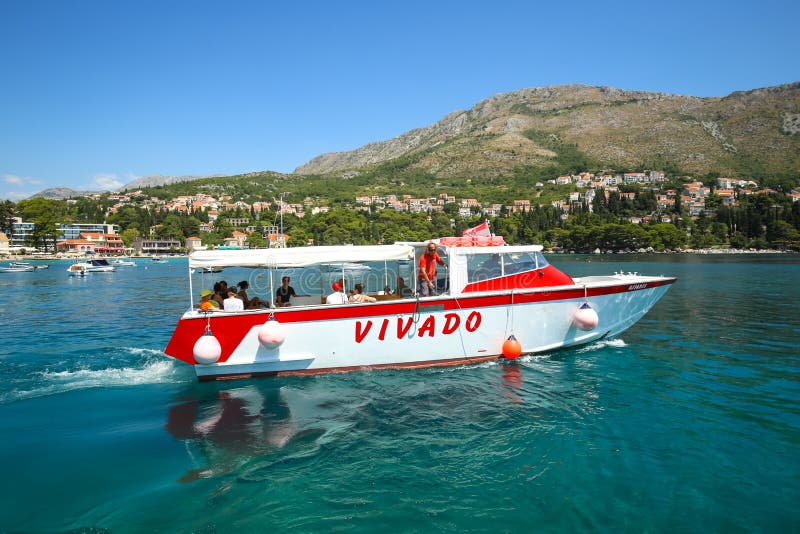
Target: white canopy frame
(288,258)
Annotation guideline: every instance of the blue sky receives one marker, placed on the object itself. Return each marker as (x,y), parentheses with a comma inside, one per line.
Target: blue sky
(94,94)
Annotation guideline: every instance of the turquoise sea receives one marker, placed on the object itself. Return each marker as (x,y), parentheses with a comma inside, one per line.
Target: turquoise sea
(689,422)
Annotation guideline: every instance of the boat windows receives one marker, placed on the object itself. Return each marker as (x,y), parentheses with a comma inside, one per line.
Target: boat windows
(487,266)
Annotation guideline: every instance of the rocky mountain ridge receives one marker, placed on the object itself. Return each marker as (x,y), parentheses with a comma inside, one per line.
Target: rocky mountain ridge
(62,193)
(157,179)
(737,134)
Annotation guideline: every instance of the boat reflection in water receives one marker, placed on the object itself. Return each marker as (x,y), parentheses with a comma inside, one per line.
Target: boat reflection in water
(511,381)
(230,425)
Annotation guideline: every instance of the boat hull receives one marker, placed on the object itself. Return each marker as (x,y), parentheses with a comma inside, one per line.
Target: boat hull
(447,330)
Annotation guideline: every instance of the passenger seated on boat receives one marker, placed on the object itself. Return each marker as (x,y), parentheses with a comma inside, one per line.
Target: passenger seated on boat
(220,292)
(233,302)
(249,303)
(338,296)
(206,302)
(284,294)
(402,289)
(359,296)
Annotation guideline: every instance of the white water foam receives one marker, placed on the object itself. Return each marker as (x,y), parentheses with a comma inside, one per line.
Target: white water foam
(155,372)
(525,358)
(152,371)
(602,344)
(136,351)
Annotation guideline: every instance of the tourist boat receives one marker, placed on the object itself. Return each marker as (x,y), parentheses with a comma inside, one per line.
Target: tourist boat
(82,268)
(496,301)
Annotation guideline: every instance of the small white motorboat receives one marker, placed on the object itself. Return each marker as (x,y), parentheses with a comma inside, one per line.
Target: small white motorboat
(91,266)
(346,266)
(119,262)
(27,266)
(17,267)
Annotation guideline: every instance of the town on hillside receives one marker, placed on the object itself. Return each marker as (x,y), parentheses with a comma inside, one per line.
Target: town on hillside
(634,198)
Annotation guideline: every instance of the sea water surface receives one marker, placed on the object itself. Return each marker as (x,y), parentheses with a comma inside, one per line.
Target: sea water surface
(689,421)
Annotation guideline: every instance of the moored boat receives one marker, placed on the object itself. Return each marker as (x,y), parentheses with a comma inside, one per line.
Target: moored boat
(29,266)
(17,267)
(119,262)
(82,268)
(495,300)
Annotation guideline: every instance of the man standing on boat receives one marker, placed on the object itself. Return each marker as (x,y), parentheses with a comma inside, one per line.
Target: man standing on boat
(427,270)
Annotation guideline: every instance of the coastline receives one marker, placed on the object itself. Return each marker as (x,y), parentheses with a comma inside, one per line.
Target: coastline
(701,251)
(597,252)
(57,257)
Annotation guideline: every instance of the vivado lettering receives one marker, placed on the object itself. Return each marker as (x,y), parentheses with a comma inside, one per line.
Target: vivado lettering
(428,327)
(634,287)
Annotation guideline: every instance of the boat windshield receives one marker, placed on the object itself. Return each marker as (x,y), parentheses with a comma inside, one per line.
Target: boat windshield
(487,266)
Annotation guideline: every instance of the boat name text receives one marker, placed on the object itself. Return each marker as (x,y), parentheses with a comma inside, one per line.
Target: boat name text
(634,287)
(451,324)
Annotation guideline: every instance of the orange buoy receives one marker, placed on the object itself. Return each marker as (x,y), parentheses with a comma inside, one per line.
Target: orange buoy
(512,348)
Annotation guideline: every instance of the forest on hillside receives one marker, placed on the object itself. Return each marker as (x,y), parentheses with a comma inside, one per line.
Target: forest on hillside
(762,221)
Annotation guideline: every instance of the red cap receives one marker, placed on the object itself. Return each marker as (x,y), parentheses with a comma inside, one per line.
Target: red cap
(336,286)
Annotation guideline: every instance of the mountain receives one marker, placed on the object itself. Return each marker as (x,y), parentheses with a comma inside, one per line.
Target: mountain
(745,133)
(157,180)
(61,193)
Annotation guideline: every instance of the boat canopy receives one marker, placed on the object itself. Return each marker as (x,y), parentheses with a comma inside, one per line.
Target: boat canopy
(507,249)
(285,258)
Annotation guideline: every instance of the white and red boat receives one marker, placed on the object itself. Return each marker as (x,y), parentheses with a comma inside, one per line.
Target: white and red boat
(495,301)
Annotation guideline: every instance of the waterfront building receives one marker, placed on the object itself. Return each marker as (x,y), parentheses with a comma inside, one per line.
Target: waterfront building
(194,243)
(76,246)
(74,231)
(156,246)
(106,244)
(22,234)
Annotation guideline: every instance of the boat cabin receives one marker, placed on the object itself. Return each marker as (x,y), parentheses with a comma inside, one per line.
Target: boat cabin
(470,268)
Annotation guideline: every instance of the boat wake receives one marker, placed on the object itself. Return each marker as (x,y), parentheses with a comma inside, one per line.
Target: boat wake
(150,370)
(602,344)
(152,373)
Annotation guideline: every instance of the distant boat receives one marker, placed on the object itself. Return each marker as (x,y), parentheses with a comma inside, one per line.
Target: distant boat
(27,265)
(77,269)
(206,270)
(346,266)
(82,268)
(16,268)
(158,259)
(123,263)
